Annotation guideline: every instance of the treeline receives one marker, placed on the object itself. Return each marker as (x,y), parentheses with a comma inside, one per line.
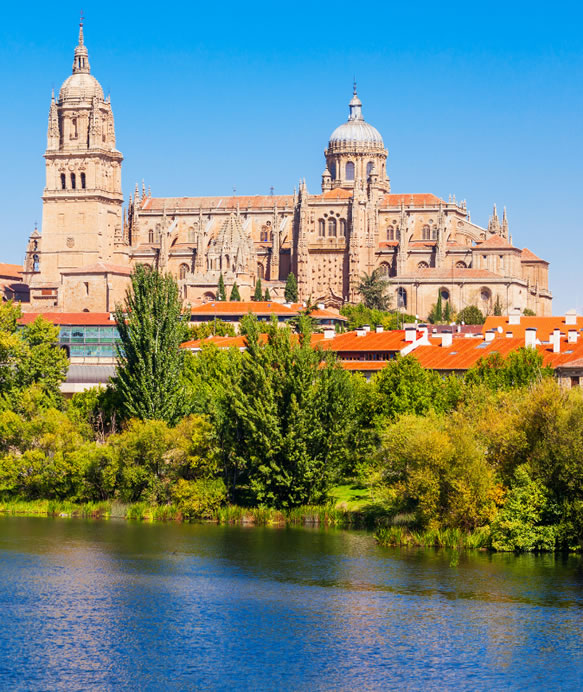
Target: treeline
(497,452)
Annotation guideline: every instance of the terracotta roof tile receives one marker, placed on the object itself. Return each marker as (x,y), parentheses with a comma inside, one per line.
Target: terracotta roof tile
(494,242)
(528,256)
(456,273)
(70,318)
(100,268)
(392,341)
(171,204)
(463,353)
(337,193)
(240,308)
(417,199)
(10,271)
(544,325)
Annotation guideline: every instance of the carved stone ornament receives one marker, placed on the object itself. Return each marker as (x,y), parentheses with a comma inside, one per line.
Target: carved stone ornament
(70,241)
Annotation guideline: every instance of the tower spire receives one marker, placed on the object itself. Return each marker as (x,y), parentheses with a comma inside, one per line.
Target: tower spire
(355,105)
(81,57)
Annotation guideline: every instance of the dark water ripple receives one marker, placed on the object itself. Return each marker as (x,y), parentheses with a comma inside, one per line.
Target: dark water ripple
(115,605)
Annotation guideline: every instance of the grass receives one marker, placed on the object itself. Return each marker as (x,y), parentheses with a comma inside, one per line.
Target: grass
(400,536)
(350,497)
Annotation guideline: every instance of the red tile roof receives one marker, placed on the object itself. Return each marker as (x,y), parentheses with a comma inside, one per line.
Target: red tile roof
(463,353)
(259,307)
(11,271)
(456,273)
(336,193)
(495,242)
(171,204)
(417,199)
(100,268)
(528,256)
(70,318)
(543,325)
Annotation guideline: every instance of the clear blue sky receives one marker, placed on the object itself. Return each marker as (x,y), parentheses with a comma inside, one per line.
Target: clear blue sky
(483,100)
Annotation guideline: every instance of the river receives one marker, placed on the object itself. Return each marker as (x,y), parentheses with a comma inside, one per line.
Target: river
(121,605)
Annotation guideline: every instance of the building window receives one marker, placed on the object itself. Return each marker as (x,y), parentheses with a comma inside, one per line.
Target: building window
(263,235)
(460,265)
(390,233)
(426,233)
(350,171)
(332,170)
(369,168)
(151,235)
(422,265)
(342,227)
(385,269)
(183,271)
(86,284)
(83,181)
(321,227)
(74,132)
(73,181)
(485,295)
(332,227)
(444,293)
(35,263)
(63,181)
(260,271)
(401,298)
(398,234)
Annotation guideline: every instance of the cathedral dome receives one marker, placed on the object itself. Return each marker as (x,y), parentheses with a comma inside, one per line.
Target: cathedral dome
(355,130)
(80,86)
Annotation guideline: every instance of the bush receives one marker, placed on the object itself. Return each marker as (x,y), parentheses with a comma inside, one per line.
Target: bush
(200,498)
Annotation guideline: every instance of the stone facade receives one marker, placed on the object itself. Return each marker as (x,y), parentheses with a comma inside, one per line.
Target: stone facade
(355,225)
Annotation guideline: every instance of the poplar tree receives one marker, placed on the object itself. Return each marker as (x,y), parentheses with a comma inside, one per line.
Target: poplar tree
(235,295)
(258,295)
(267,295)
(149,358)
(221,292)
(291,289)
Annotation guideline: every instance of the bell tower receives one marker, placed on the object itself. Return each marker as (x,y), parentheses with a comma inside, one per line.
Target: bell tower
(82,199)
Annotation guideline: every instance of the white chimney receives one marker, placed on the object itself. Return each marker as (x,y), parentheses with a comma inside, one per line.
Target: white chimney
(366,327)
(509,335)
(321,306)
(556,340)
(379,329)
(446,340)
(571,317)
(360,331)
(329,333)
(410,333)
(530,337)
(572,336)
(490,334)
(424,329)
(514,316)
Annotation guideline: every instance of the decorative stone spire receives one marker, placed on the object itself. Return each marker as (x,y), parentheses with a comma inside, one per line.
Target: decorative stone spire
(494,223)
(81,57)
(355,105)
(504,224)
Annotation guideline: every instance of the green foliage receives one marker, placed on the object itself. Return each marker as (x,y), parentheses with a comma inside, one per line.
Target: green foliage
(373,289)
(258,295)
(448,313)
(214,327)
(200,498)
(267,295)
(497,307)
(436,314)
(520,368)
(291,289)
(221,291)
(150,361)
(235,295)
(527,312)
(358,315)
(471,314)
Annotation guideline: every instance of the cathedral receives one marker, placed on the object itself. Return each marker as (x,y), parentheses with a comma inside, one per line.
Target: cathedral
(425,246)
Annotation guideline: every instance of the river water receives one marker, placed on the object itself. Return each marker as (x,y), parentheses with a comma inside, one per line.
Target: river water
(113,604)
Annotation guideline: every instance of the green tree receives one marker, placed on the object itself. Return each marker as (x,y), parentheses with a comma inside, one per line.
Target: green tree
(471,314)
(291,289)
(235,295)
(258,295)
(527,312)
(150,361)
(267,295)
(373,289)
(214,327)
(221,291)
(520,368)
(497,307)
(448,313)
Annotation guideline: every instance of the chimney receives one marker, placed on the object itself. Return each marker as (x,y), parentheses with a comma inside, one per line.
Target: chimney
(556,340)
(530,337)
(490,334)
(410,333)
(321,306)
(514,316)
(366,327)
(446,339)
(360,331)
(509,335)
(424,329)
(572,336)
(571,317)
(329,333)
(379,329)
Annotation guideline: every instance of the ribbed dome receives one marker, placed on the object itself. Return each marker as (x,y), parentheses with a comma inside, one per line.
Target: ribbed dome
(355,130)
(80,86)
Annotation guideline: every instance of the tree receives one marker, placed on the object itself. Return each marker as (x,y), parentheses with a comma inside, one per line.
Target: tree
(521,368)
(150,361)
(527,312)
(267,294)
(436,314)
(291,289)
(497,307)
(471,314)
(258,295)
(221,291)
(373,289)
(235,295)
(215,327)
(448,312)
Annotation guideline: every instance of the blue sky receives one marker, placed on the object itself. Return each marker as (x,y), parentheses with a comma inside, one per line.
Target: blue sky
(484,102)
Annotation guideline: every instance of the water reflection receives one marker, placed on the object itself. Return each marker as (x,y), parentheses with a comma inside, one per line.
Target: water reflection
(115,604)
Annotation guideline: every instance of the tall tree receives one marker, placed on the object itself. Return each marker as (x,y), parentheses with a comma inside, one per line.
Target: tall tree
(497,307)
(447,312)
(471,314)
(373,289)
(267,294)
(150,361)
(436,314)
(235,295)
(258,295)
(221,291)
(291,289)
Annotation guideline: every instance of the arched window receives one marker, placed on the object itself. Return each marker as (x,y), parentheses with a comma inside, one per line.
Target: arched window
(321,227)
(385,269)
(390,233)
(401,298)
(342,227)
(73,181)
(74,132)
(260,271)
(426,233)
(83,181)
(183,271)
(444,293)
(485,295)
(422,265)
(460,265)
(63,181)
(332,227)
(35,263)
(332,169)
(151,235)
(350,171)
(434,233)
(369,168)
(35,245)
(263,236)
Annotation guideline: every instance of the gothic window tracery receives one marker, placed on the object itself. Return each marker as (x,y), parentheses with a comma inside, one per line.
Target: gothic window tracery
(321,227)
(426,232)
(350,171)
(369,168)
(385,269)
(151,235)
(332,227)
(342,227)
(401,297)
(422,265)
(183,271)
(460,265)
(260,271)
(390,233)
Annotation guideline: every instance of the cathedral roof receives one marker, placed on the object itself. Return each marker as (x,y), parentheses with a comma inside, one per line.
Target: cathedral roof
(245,202)
(81,85)
(356,130)
(495,242)
(418,199)
(528,256)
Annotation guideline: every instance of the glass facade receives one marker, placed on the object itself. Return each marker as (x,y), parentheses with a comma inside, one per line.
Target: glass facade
(94,342)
